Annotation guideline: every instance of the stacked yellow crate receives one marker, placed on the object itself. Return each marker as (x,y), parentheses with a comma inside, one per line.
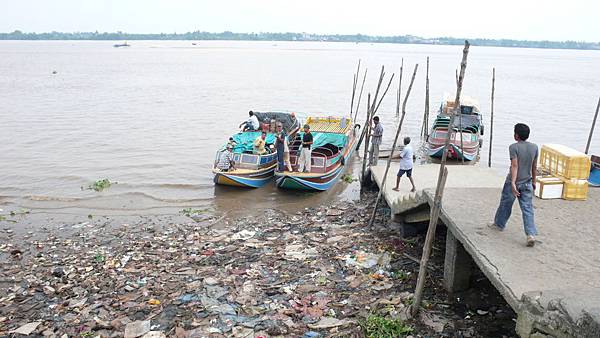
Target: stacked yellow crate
(569,165)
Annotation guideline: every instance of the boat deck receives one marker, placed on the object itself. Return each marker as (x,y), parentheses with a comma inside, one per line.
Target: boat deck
(329,125)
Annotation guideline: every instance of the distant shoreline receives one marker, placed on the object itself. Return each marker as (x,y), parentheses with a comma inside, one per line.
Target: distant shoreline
(355,38)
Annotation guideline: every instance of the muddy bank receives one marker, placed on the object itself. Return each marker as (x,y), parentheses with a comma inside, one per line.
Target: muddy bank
(314,273)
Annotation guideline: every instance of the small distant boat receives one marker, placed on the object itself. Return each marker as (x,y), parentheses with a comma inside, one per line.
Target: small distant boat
(594,179)
(252,170)
(334,141)
(124,44)
(468,124)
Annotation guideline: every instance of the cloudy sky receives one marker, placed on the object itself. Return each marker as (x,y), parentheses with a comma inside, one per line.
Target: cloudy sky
(519,19)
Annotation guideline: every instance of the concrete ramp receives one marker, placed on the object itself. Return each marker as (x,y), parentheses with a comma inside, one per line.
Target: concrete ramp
(554,287)
(425,177)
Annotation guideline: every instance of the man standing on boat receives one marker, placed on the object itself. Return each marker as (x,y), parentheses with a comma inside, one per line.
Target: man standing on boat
(406,165)
(251,124)
(376,137)
(280,137)
(305,155)
(520,183)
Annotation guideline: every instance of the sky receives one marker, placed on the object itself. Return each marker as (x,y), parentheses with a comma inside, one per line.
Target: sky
(514,19)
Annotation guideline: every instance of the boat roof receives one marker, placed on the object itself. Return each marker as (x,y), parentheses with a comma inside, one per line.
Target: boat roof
(329,124)
(465,100)
(288,119)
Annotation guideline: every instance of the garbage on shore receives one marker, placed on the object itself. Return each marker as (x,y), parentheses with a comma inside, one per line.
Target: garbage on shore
(317,273)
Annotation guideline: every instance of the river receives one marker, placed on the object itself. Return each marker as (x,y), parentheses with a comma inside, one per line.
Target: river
(151,116)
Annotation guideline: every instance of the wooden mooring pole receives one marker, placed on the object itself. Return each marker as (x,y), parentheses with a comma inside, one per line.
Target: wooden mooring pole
(360,96)
(400,86)
(367,127)
(587,147)
(492,118)
(437,201)
(389,161)
(354,81)
(425,126)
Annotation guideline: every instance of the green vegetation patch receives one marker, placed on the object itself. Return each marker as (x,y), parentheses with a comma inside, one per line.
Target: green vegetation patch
(376,326)
(191,212)
(348,178)
(100,185)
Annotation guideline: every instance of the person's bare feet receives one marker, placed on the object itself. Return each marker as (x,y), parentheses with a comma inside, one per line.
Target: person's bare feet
(530,241)
(396,189)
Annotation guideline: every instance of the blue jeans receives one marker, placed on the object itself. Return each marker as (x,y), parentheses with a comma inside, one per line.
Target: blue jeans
(526,203)
(280,163)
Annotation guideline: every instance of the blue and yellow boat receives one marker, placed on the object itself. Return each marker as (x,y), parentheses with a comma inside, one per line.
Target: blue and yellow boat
(253,170)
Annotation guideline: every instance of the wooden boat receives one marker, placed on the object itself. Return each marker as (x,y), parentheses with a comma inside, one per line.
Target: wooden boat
(334,141)
(252,170)
(468,125)
(118,45)
(594,179)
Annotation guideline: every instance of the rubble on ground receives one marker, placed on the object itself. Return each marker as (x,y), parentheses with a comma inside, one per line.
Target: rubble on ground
(317,273)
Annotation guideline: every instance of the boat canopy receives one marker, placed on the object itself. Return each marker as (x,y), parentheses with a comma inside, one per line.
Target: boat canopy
(245,140)
(288,120)
(321,139)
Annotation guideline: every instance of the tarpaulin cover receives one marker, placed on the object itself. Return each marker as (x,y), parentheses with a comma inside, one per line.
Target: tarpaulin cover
(289,123)
(245,141)
(320,139)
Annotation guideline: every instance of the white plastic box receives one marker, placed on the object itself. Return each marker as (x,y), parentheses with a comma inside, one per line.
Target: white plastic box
(549,187)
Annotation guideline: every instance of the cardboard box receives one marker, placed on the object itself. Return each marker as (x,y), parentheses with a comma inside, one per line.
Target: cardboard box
(549,187)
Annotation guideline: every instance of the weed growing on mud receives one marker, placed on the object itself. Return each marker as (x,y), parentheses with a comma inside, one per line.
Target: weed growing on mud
(190,212)
(348,178)
(377,326)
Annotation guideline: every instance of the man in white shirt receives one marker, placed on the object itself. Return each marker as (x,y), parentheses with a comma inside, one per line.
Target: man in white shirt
(376,137)
(251,124)
(406,165)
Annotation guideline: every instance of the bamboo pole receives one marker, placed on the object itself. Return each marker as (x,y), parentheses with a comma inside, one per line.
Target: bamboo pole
(367,127)
(355,80)
(389,161)
(425,126)
(372,107)
(384,92)
(441,182)
(460,128)
(400,85)
(492,117)
(360,95)
(433,219)
(587,147)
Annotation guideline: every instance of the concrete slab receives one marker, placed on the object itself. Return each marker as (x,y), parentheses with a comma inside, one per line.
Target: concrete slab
(555,286)
(565,256)
(425,177)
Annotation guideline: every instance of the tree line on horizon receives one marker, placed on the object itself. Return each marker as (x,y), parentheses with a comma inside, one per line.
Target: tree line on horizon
(357,38)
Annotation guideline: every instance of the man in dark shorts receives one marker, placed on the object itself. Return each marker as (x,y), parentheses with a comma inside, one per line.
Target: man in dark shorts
(406,165)
(280,137)
(520,183)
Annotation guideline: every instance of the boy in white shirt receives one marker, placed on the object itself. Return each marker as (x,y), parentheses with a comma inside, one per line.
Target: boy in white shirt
(406,165)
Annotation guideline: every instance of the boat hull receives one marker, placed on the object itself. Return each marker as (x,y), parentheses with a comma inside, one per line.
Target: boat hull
(314,182)
(454,152)
(252,179)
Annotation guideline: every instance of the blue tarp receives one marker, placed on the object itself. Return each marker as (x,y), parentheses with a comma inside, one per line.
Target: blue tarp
(245,141)
(320,139)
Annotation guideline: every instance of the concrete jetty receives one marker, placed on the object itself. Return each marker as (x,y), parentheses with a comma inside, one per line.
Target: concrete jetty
(554,287)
